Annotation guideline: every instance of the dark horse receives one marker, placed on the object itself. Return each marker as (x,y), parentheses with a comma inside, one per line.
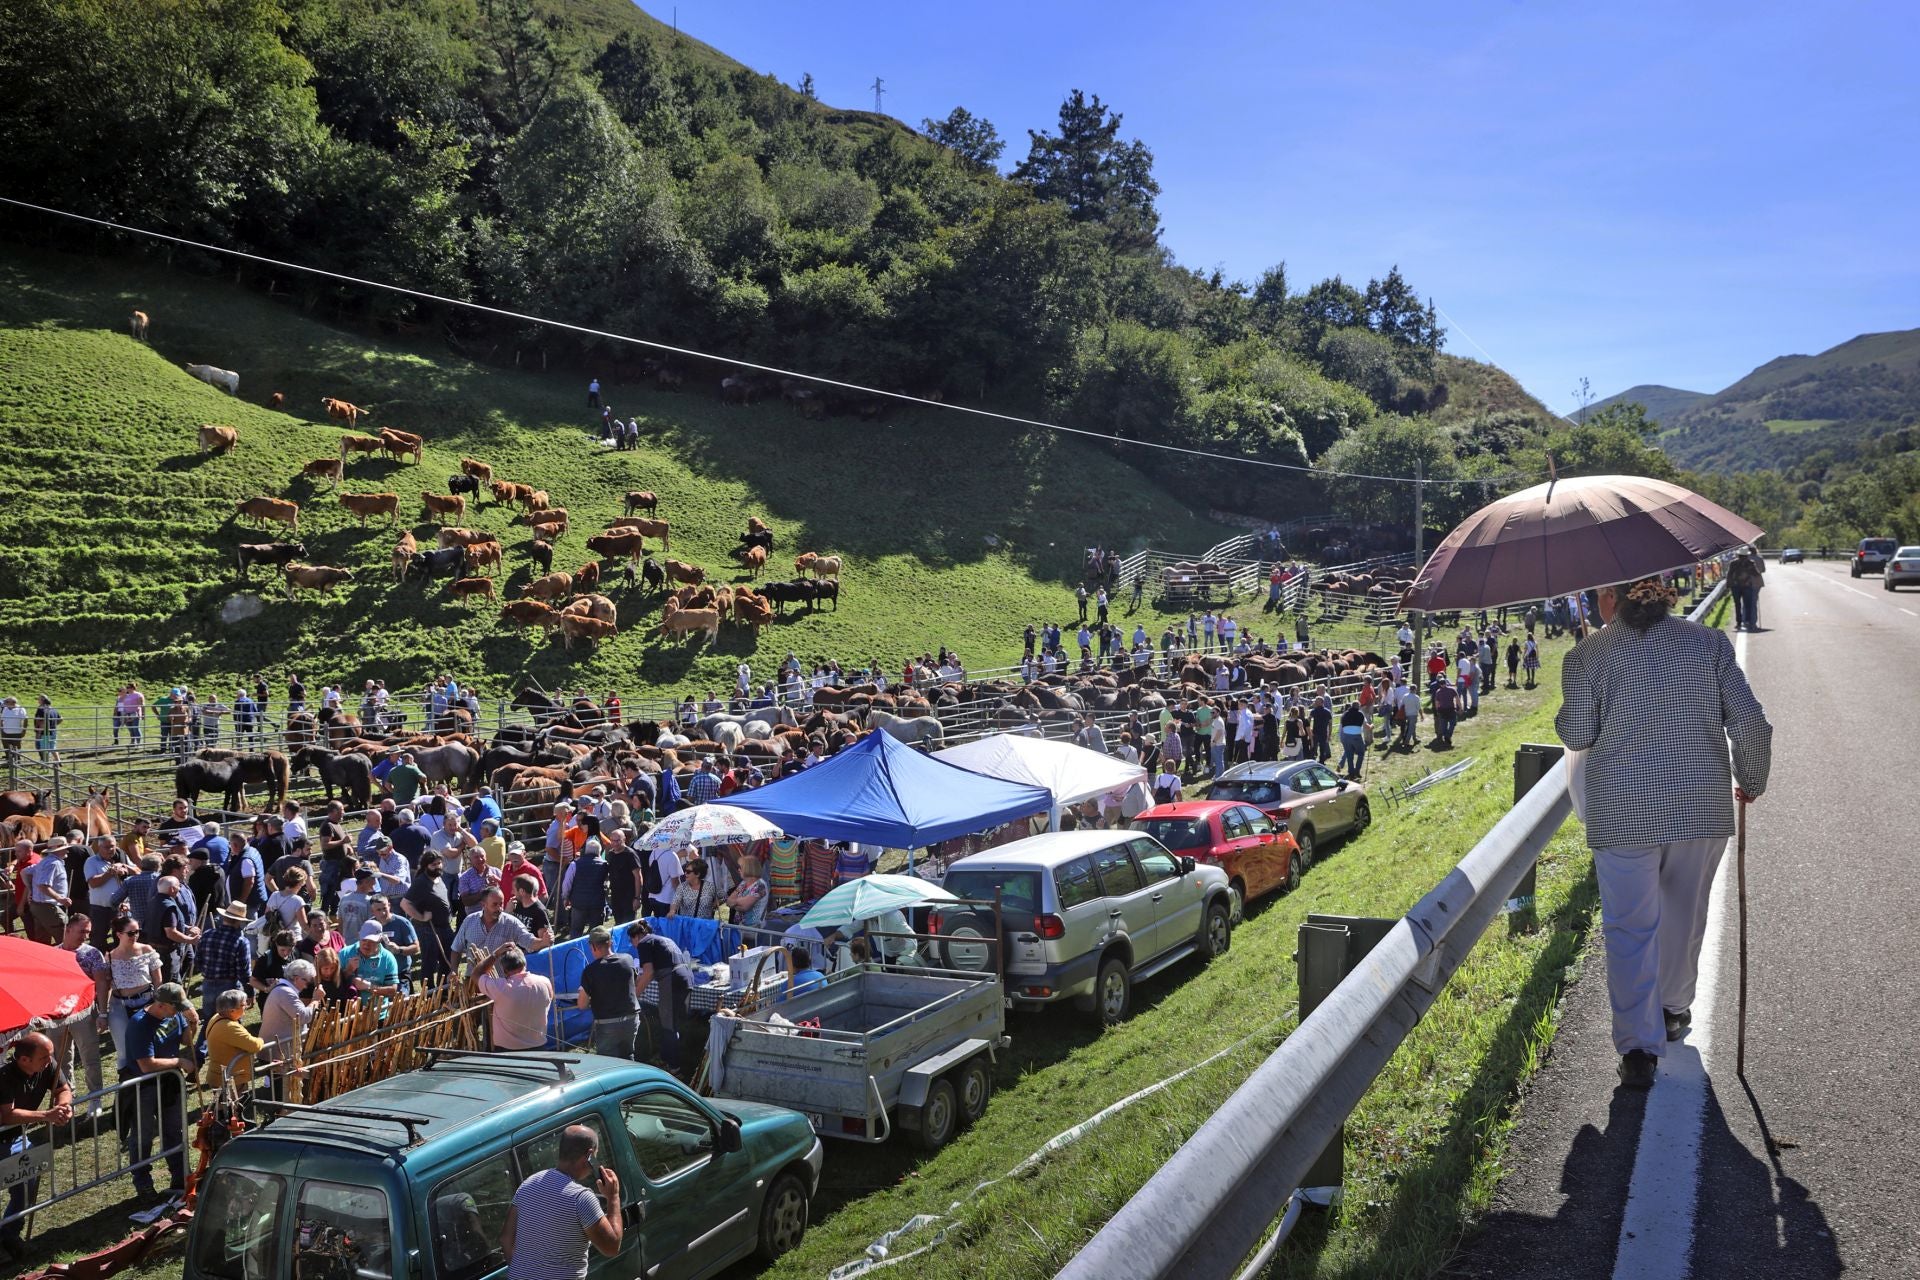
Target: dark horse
(545,710)
(231,773)
(14,804)
(350,771)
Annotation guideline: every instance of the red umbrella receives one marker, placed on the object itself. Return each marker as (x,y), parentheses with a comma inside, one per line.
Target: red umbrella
(38,981)
(1569,535)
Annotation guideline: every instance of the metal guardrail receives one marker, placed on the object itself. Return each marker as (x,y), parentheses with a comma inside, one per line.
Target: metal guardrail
(1206,1209)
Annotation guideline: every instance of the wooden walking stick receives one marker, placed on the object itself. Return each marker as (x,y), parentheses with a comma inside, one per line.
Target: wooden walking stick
(1740,840)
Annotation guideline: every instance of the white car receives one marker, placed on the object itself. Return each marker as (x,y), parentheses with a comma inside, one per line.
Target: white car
(1903,568)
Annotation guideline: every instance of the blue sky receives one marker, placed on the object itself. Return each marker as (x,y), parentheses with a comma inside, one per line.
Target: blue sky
(1630,192)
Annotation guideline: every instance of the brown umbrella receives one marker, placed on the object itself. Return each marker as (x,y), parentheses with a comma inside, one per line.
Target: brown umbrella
(1569,535)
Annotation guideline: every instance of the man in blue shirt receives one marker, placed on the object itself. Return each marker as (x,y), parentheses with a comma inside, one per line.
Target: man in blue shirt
(159,1045)
(217,846)
(805,976)
(370,967)
(484,806)
(661,959)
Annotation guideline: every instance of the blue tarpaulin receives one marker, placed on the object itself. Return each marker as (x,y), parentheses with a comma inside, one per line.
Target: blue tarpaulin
(881,791)
(704,941)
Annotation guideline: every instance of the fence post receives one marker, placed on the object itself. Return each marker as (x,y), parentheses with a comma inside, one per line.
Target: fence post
(58,802)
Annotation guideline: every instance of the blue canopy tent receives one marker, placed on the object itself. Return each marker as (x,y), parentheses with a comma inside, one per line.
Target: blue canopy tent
(881,791)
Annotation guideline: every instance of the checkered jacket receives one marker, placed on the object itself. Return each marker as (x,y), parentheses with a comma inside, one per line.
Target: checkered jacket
(1655,711)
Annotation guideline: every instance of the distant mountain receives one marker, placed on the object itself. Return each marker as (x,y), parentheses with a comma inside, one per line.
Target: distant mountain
(1792,407)
(1663,404)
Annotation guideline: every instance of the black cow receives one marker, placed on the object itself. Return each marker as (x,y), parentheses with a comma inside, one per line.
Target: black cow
(464,484)
(542,553)
(756,538)
(799,591)
(252,553)
(653,575)
(443,563)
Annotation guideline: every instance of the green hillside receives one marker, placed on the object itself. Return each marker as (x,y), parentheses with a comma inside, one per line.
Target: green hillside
(121,539)
(1795,407)
(1663,404)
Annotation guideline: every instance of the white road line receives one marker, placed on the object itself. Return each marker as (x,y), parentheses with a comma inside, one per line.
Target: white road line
(1656,1226)
(1910,613)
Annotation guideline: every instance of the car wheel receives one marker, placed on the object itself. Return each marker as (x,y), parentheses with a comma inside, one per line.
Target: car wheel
(1238,890)
(1305,841)
(939,1117)
(1888,584)
(1362,816)
(1293,872)
(783,1218)
(1216,931)
(974,1084)
(1855,571)
(1112,991)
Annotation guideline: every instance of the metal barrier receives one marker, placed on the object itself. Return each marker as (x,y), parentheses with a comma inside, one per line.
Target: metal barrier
(55,1162)
(1206,1209)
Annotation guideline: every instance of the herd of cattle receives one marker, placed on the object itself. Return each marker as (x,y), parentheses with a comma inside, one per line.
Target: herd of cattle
(554,600)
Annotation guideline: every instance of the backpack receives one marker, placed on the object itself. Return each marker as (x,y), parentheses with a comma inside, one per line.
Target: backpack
(650,876)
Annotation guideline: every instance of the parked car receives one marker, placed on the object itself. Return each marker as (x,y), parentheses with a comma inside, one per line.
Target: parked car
(1258,856)
(1313,802)
(1086,914)
(1903,568)
(1872,555)
(1792,555)
(412,1176)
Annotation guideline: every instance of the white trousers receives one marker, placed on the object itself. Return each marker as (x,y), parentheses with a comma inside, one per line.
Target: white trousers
(1653,912)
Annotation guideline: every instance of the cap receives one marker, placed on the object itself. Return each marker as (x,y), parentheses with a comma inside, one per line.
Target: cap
(381,841)
(366,873)
(371,929)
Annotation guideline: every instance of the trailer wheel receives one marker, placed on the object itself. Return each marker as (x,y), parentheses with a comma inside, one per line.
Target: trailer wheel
(939,1116)
(974,1083)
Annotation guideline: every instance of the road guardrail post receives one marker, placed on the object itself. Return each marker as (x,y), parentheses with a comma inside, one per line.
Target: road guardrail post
(1530,764)
(1329,949)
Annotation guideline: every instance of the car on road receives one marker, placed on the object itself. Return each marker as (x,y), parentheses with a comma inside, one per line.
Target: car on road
(1872,555)
(1310,799)
(1085,915)
(1792,555)
(1903,568)
(1258,856)
(412,1176)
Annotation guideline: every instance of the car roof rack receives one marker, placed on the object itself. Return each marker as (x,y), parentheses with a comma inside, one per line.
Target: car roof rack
(405,1119)
(561,1064)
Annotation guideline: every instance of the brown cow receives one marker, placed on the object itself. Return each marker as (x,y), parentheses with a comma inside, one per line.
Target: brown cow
(323,468)
(351,443)
(139,326)
(616,544)
(477,469)
(826,566)
(803,562)
(402,554)
(641,500)
(398,444)
(538,500)
(754,610)
(343,411)
(465,589)
(755,558)
(588,577)
(218,439)
(506,491)
(550,587)
(574,626)
(527,613)
(262,509)
(756,525)
(372,504)
(313,577)
(687,621)
(547,515)
(680,571)
(277,400)
(593,606)
(645,527)
(482,553)
(455,536)
(441,505)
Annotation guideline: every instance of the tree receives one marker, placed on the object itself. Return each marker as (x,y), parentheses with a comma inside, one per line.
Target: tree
(1331,304)
(972,138)
(1099,178)
(1393,447)
(526,59)
(806,86)
(1629,416)
(1395,312)
(1269,302)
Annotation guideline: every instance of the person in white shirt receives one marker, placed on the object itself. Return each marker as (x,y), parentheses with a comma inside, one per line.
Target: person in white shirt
(667,863)
(292,825)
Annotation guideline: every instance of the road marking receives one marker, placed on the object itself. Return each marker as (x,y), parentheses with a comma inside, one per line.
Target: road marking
(1656,1226)
(1910,613)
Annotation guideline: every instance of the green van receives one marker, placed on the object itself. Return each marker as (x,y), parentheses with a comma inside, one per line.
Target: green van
(411,1178)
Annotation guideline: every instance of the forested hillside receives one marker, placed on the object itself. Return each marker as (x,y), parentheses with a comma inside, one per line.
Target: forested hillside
(577,159)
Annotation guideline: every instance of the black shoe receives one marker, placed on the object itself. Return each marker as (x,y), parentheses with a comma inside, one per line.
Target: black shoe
(1677,1023)
(13,1248)
(1638,1069)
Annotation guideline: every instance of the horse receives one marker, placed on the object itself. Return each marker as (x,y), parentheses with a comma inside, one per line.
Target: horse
(19,803)
(350,771)
(449,762)
(87,819)
(234,772)
(545,710)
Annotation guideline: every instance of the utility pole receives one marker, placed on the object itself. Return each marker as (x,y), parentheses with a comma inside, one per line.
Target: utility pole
(879,92)
(1419,556)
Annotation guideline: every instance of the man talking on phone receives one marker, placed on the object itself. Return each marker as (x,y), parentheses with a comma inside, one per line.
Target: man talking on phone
(555,1216)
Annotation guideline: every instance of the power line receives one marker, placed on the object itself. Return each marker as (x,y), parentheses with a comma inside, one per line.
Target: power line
(734,361)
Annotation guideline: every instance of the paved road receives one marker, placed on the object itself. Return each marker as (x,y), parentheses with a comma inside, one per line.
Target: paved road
(1808,1169)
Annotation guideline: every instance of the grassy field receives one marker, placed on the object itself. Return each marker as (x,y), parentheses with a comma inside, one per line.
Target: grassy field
(1797,426)
(121,536)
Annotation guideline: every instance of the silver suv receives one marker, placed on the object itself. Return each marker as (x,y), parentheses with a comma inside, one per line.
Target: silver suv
(1087,914)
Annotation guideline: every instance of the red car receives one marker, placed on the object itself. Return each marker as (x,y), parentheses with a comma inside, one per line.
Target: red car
(1257,856)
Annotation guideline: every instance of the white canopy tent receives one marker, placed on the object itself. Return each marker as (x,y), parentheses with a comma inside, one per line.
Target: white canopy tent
(1069,772)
